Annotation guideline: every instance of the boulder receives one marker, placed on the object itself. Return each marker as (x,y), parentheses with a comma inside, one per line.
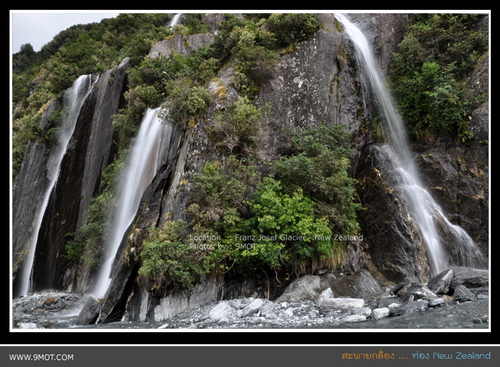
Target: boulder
(325,295)
(440,284)
(414,306)
(386,301)
(268,310)
(463,294)
(343,304)
(49,301)
(221,311)
(303,288)
(470,278)
(380,313)
(252,308)
(413,292)
(354,318)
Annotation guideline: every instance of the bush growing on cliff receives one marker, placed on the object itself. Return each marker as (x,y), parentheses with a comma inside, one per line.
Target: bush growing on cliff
(168,261)
(238,128)
(285,228)
(318,163)
(292,28)
(437,53)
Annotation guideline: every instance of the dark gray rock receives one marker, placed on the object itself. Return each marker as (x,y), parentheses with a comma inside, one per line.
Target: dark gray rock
(412,291)
(415,306)
(471,278)
(391,237)
(361,284)
(458,178)
(90,311)
(306,287)
(26,197)
(463,294)
(440,284)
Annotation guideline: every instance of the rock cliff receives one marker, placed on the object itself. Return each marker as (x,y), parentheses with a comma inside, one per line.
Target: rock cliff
(89,152)
(317,83)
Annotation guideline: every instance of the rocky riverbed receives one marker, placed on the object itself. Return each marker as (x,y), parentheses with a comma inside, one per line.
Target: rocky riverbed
(454,299)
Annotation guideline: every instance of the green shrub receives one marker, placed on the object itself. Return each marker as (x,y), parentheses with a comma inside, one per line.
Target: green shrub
(318,163)
(292,28)
(186,100)
(168,260)
(437,53)
(238,128)
(285,227)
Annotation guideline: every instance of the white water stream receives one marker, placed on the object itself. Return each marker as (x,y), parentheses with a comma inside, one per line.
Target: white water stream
(72,101)
(425,211)
(146,155)
(174,20)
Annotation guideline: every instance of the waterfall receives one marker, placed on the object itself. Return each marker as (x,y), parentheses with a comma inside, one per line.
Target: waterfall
(425,211)
(72,102)
(175,20)
(147,153)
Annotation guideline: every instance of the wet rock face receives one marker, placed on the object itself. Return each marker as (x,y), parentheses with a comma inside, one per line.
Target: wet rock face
(390,236)
(89,152)
(387,31)
(457,177)
(26,197)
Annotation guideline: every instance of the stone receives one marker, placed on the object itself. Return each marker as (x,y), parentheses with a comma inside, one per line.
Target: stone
(365,311)
(252,308)
(440,301)
(354,318)
(415,306)
(268,310)
(380,313)
(471,278)
(325,295)
(220,311)
(303,288)
(463,294)
(440,284)
(385,302)
(413,292)
(343,304)
(49,301)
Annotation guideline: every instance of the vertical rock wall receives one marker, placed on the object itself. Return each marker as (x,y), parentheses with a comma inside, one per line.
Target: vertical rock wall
(89,152)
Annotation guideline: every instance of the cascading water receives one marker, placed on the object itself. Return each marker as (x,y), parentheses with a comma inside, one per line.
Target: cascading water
(175,20)
(146,155)
(425,211)
(72,102)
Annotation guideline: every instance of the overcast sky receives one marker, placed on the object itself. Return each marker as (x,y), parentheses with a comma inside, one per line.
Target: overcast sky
(39,28)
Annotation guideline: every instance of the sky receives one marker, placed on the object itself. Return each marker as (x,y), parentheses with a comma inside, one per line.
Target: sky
(39,28)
